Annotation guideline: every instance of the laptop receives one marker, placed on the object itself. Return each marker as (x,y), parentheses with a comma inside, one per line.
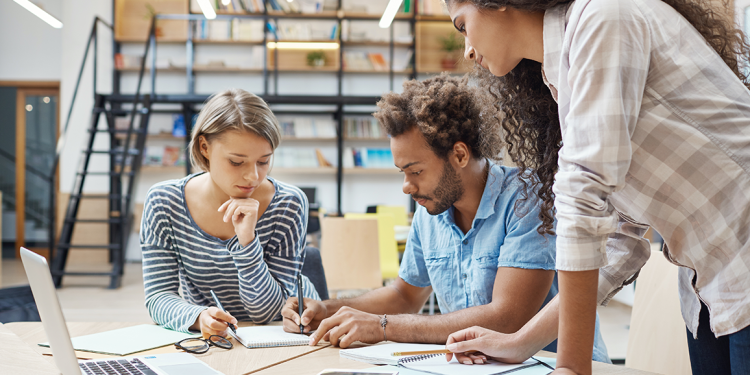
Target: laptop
(48,305)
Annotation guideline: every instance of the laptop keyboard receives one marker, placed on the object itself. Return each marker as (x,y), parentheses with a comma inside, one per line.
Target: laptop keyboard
(116,367)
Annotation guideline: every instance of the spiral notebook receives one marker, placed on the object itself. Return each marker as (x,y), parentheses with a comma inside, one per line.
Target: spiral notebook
(433,363)
(268,337)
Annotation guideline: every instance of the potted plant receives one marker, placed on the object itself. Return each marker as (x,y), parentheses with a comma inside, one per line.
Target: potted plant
(451,45)
(316,59)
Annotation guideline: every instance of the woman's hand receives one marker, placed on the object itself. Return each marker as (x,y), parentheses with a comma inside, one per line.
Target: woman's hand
(487,343)
(213,321)
(243,212)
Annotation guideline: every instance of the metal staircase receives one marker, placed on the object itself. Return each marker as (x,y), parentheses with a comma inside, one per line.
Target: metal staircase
(125,153)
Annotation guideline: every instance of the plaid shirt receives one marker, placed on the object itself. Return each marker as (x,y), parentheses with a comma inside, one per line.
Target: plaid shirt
(656,132)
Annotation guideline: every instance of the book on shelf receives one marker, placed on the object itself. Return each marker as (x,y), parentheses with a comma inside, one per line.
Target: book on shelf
(432,8)
(303,31)
(372,157)
(378,62)
(233,6)
(363,127)
(301,157)
(236,29)
(164,156)
(364,31)
(307,127)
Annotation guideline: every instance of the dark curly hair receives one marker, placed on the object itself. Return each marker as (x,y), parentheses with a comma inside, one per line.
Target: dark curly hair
(531,124)
(446,110)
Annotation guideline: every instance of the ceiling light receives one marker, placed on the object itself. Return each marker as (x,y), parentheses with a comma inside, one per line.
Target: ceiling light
(389,13)
(303,45)
(39,12)
(208,10)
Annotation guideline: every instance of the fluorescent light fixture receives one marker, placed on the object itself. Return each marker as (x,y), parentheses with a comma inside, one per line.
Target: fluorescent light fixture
(389,13)
(208,10)
(37,11)
(303,45)
(225,2)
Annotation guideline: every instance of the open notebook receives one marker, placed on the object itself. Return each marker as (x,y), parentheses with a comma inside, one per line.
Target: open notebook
(435,363)
(268,337)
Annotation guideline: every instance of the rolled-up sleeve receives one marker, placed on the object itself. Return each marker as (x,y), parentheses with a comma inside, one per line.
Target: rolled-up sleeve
(609,59)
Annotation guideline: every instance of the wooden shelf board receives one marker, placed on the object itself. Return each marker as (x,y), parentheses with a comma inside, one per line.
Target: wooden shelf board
(225,69)
(372,16)
(228,41)
(359,171)
(158,40)
(302,139)
(433,17)
(377,71)
(374,43)
(318,170)
(164,70)
(327,14)
(358,139)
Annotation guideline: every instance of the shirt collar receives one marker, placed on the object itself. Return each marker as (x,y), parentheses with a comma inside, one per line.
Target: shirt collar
(492,190)
(555,19)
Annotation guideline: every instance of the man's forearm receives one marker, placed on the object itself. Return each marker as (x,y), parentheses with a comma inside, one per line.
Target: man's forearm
(435,329)
(387,300)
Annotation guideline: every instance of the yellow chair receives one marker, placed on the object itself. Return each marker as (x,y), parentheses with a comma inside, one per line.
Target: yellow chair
(398,212)
(387,242)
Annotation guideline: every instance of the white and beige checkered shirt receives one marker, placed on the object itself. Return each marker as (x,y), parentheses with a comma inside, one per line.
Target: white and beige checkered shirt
(656,131)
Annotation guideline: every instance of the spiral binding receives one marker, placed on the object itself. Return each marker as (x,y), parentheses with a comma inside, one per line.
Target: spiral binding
(416,358)
(274,344)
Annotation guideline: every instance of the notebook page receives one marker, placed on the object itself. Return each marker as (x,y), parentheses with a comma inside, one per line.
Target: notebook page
(129,340)
(269,336)
(381,354)
(438,365)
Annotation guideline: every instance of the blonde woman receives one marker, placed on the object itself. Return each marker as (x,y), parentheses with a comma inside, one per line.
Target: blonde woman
(229,228)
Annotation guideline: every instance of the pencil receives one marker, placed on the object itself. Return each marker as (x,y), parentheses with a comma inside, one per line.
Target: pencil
(439,351)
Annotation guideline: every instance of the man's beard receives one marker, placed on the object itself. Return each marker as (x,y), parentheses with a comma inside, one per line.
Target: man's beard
(449,191)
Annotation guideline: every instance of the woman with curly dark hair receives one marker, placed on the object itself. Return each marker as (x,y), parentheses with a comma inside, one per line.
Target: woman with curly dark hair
(630,113)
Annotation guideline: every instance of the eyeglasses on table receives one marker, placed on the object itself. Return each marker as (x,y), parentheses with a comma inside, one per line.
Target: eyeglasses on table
(197,345)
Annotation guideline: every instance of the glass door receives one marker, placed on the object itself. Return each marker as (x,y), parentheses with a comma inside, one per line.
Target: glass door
(39,137)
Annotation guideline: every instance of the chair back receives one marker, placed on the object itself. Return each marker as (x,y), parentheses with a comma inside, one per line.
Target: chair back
(657,341)
(350,253)
(388,246)
(314,270)
(398,212)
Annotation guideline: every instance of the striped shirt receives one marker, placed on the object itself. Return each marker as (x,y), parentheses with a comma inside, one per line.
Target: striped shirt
(656,132)
(182,263)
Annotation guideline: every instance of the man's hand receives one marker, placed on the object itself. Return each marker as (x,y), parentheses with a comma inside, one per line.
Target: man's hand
(213,321)
(488,343)
(315,312)
(347,326)
(243,212)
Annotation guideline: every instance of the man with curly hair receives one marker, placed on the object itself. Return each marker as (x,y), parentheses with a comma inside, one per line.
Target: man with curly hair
(473,240)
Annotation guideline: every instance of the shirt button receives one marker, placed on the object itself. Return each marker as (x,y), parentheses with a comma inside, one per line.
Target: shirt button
(464,275)
(466,242)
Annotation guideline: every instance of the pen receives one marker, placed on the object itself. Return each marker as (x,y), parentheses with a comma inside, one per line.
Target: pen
(439,351)
(218,304)
(300,302)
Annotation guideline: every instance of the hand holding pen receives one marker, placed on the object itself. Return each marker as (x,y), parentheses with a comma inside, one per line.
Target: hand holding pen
(215,320)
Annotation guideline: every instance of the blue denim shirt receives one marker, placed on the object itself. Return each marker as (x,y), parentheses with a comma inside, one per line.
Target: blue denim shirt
(461,268)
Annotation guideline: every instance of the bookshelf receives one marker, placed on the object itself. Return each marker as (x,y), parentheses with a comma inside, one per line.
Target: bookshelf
(192,61)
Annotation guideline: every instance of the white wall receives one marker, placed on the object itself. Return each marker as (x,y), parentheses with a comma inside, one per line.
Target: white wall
(78,17)
(30,49)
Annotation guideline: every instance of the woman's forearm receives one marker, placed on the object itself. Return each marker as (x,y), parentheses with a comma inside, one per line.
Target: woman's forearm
(577,306)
